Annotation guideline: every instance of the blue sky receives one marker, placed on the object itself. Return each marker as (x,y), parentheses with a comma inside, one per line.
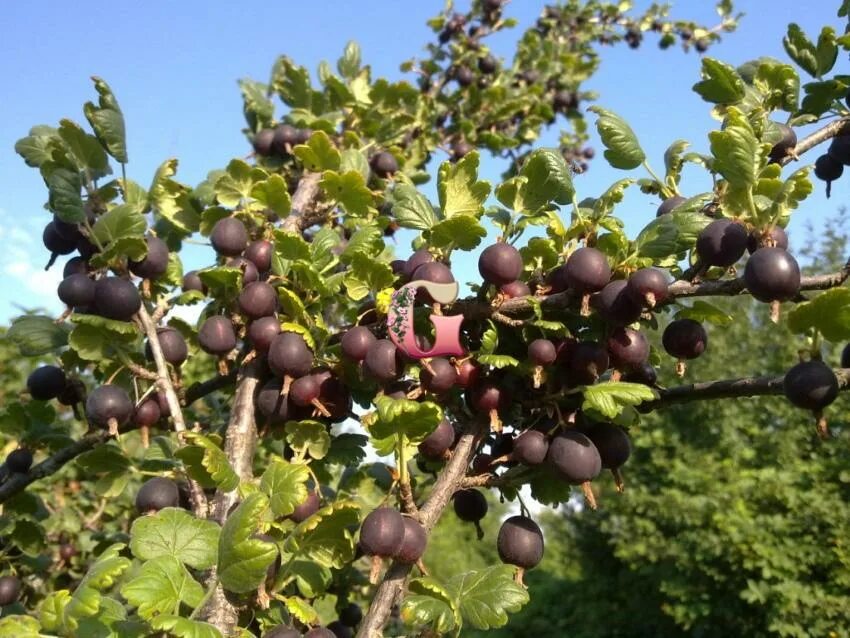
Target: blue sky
(174,66)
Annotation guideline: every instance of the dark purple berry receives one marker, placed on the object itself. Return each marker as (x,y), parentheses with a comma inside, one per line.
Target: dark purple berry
(684,339)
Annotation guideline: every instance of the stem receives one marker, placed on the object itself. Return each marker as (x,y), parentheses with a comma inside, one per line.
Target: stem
(207,595)
(199,500)
(403,475)
(664,190)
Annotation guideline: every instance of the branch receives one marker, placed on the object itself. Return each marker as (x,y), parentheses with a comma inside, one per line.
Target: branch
(729,389)
(18,482)
(392,584)
(202,388)
(833,129)
(196,493)
(307,208)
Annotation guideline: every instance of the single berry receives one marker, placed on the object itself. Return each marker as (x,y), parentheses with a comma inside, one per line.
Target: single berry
(421,256)
(530,448)
(258,299)
(542,352)
(75,266)
(336,629)
(684,339)
(845,356)
(282,631)
(355,343)
(383,164)
(464,76)
(470,505)
(722,243)
(229,237)
(46,383)
(250,274)
(839,149)
(260,254)
(520,542)
(383,361)
(612,443)
(587,270)
(76,291)
(414,542)
(488,64)
(155,263)
(615,305)
(10,590)
(775,236)
(460,149)
(55,242)
(67,551)
(574,457)
(289,355)
(156,494)
(587,361)
(285,137)
(500,264)
(487,395)
(191,281)
(644,373)
(565,100)
(785,145)
(147,413)
(647,287)
(350,615)
(263,142)
(116,298)
(172,344)
(828,169)
(627,348)
(811,385)
(772,274)
(19,461)
(670,204)
(468,373)
(382,533)
(108,402)
(441,377)
(217,335)
(436,444)
(307,508)
(262,331)
(515,289)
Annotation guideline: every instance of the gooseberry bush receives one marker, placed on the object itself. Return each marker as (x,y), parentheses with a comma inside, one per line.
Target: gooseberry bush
(276,467)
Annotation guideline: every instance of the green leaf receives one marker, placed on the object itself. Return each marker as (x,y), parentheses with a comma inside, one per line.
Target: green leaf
(367,275)
(308,437)
(223,282)
(37,147)
(498,360)
(623,150)
(258,108)
(292,83)
(800,49)
(176,533)
(99,342)
(326,537)
(120,222)
(172,200)
(273,194)
(463,232)
(319,153)
(16,626)
(101,575)
(237,183)
(242,558)
(35,335)
(610,397)
(458,187)
(312,579)
(51,611)
(301,609)
(347,449)
(720,84)
(107,121)
(548,179)
(605,203)
(412,419)
(349,64)
(286,486)
(214,461)
(673,160)
(738,154)
(429,604)
(350,190)
(87,152)
(184,627)
(367,240)
(354,160)
(412,209)
(485,597)
(64,197)
(670,235)
(703,311)
(160,586)
(780,85)
(829,313)
(290,246)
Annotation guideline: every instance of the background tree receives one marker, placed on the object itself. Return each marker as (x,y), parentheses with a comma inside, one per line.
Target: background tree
(253,495)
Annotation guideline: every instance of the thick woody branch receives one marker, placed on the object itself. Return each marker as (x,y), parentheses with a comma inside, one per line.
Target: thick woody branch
(833,129)
(18,482)
(729,389)
(392,585)
(307,205)
(201,389)
(196,493)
